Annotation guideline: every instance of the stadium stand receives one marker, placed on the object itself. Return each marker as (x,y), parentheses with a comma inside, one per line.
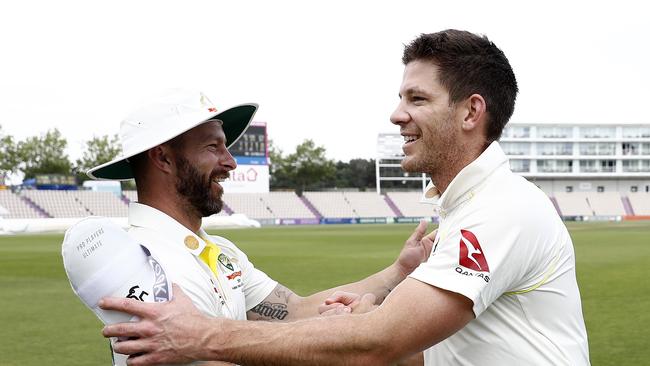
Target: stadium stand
(640,202)
(57,203)
(368,204)
(102,203)
(573,204)
(331,204)
(283,205)
(18,209)
(250,204)
(409,204)
(606,203)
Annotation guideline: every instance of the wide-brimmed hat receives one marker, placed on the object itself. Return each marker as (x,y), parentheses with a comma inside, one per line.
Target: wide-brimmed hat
(173,113)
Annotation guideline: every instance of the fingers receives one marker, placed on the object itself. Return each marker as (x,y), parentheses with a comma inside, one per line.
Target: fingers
(131,347)
(366,304)
(342,297)
(339,310)
(128,330)
(323,308)
(179,295)
(125,305)
(419,232)
(432,235)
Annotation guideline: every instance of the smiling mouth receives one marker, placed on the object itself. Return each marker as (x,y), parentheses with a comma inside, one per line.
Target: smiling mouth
(409,139)
(220,179)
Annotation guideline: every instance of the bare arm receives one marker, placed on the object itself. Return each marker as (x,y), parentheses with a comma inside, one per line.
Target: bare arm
(414,317)
(284,305)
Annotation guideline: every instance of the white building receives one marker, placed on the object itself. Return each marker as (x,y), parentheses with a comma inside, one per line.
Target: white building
(558,157)
(580,158)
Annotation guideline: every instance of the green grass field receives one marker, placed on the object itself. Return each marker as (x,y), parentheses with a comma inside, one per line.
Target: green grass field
(43,323)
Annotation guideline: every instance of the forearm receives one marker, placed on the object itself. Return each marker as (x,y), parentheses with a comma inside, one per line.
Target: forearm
(319,341)
(380,284)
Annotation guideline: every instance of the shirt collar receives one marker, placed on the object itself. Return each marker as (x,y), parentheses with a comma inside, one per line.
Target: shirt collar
(144,216)
(468,178)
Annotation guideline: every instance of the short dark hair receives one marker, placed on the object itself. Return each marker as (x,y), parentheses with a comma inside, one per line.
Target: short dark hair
(470,64)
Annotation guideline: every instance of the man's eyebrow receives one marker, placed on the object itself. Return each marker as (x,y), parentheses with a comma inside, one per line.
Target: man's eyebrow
(415,90)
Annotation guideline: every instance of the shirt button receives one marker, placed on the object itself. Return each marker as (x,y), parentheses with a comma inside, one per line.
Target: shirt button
(191,242)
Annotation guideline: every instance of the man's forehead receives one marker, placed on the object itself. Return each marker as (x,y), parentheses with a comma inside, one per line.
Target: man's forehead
(212,129)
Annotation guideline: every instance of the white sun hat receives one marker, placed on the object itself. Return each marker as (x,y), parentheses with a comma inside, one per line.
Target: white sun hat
(101,259)
(171,114)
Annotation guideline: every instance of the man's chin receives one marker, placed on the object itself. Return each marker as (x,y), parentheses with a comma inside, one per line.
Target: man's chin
(409,165)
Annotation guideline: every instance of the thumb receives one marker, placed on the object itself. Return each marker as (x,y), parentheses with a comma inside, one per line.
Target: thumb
(179,296)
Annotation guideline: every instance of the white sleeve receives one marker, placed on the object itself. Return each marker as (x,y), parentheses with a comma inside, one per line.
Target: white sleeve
(478,261)
(257,284)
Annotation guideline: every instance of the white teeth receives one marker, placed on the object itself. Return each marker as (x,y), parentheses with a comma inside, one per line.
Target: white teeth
(410,138)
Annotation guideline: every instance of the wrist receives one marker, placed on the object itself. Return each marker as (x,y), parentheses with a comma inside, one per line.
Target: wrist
(213,334)
(400,271)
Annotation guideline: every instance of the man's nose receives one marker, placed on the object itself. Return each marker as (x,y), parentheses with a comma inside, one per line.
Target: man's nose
(399,115)
(227,161)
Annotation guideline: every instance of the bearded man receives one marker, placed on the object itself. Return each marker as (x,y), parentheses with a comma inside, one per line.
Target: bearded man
(176,148)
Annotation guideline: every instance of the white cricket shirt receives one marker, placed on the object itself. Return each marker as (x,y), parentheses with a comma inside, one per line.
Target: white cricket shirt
(237,288)
(501,244)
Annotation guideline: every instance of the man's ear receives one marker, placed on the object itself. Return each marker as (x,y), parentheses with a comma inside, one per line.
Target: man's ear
(475,113)
(160,157)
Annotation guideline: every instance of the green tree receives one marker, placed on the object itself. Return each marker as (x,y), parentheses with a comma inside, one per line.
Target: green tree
(358,173)
(280,178)
(8,154)
(98,150)
(44,154)
(309,167)
(306,169)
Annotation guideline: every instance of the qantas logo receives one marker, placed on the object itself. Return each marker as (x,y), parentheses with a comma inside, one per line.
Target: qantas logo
(471,254)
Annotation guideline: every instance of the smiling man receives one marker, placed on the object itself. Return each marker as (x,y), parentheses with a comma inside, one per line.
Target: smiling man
(499,287)
(176,148)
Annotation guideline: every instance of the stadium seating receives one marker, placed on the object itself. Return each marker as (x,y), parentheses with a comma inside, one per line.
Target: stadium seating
(250,204)
(640,202)
(284,205)
(573,204)
(331,204)
(102,203)
(606,204)
(368,204)
(18,209)
(409,204)
(57,203)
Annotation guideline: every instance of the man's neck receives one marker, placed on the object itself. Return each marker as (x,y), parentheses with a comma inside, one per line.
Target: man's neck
(175,210)
(443,178)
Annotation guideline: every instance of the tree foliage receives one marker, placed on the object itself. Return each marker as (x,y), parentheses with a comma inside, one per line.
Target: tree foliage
(309,169)
(98,150)
(44,154)
(8,154)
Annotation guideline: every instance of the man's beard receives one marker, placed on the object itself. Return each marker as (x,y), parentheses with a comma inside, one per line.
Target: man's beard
(191,185)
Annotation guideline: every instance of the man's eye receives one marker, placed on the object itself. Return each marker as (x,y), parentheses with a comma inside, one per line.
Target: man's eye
(418,99)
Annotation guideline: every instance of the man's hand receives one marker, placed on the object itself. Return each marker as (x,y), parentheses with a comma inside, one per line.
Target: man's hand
(416,249)
(342,302)
(168,333)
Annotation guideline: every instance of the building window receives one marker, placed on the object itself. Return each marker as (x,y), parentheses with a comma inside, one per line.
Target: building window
(516,148)
(600,189)
(520,166)
(594,148)
(555,166)
(555,148)
(569,189)
(517,131)
(634,189)
(597,132)
(597,166)
(636,131)
(554,132)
